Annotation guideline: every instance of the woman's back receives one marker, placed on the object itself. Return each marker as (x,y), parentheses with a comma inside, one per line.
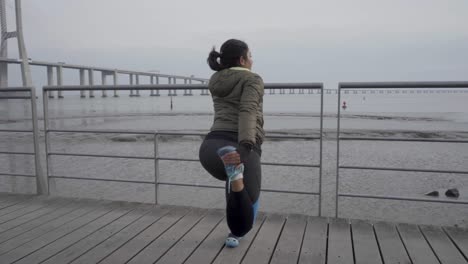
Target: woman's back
(238,103)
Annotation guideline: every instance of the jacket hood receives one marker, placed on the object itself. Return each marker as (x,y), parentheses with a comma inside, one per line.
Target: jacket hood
(222,82)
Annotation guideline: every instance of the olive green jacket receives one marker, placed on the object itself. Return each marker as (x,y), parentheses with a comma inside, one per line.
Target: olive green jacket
(238,103)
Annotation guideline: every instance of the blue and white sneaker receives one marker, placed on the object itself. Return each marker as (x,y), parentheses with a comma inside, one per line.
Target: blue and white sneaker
(232,241)
(234,172)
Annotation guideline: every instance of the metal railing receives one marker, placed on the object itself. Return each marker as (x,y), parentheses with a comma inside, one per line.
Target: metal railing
(156,134)
(41,181)
(392,85)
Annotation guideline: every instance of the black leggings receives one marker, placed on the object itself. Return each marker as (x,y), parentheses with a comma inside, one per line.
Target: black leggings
(242,206)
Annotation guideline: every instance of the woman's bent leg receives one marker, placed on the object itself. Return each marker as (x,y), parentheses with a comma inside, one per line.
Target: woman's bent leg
(242,205)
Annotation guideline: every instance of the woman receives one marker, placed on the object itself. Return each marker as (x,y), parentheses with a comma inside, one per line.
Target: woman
(231,151)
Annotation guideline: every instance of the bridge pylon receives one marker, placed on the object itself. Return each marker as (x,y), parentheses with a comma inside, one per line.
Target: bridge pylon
(18,34)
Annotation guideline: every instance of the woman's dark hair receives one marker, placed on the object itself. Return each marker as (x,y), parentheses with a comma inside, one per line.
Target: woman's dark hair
(230,53)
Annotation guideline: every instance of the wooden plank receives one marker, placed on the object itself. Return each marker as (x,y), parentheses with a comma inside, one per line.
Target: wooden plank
(90,242)
(49,208)
(9,200)
(419,251)
(47,238)
(391,246)
(163,243)
(184,248)
(314,246)
(100,226)
(229,255)
(6,235)
(366,249)
(459,236)
(340,248)
(19,204)
(290,241)
(265,242)
(445,250)
(130,249)
(99,252)
(25,237)
(31,206)
(211,246)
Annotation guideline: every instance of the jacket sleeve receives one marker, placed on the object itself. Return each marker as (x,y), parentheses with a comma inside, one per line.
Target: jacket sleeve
(251,97)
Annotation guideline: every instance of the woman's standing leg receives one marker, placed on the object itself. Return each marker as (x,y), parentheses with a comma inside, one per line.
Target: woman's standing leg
(242,205)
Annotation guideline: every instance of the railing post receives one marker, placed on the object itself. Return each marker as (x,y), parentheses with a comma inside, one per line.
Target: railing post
(46,135)
(321,152)
(156,169)
(103,82)
(91,82)
(157,82)
(59,80)
(115,83)
(41,180)
(82,83)
(337,182)
(137,83)
(130,80)
(152,83)
(190,90)
(50,79)
(169,81)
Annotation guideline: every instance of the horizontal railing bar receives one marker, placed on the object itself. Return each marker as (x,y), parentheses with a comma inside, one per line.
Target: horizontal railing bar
(177,159)
(99,156)
(167,133)
(292,192)
(15,89)
(16,131)
(172,159)
(263,163)
(291,164)
(103,131)
(163,133)
(314,86)
(14,97)
(404,139)
(98,179)
(402,198)
(16,174)
(17,153)
(401,169)
(397,85)
(292,137)
(190,185)
(222,187)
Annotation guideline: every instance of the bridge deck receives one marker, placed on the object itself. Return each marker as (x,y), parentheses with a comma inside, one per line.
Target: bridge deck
(36,229)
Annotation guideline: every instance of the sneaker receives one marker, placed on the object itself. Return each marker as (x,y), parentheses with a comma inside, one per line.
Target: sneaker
(232,241)
(233,171)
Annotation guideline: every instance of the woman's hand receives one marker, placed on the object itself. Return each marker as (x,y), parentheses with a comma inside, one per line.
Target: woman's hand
(231,158)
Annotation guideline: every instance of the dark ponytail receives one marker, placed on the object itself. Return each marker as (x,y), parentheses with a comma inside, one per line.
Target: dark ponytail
(213,60)
(231,52)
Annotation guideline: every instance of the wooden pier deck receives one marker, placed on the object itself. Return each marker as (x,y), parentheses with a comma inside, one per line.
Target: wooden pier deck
(38,229)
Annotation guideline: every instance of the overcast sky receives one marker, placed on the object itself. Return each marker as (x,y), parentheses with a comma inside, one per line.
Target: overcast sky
(291,41)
